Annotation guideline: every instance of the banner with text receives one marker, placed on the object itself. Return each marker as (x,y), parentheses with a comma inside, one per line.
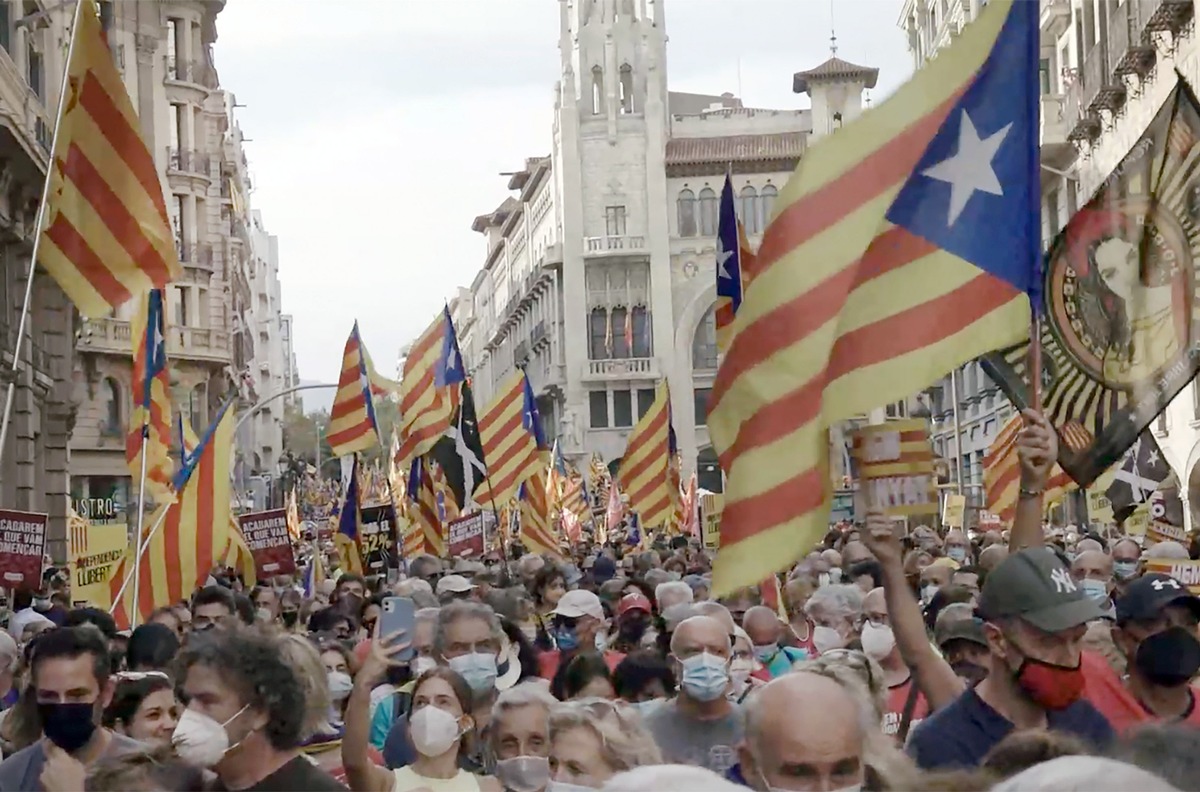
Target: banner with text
(22,545)
(94,552)
(467,535)
(377,539)
(266,535)
(1186,571)
(712,504)
(895,467)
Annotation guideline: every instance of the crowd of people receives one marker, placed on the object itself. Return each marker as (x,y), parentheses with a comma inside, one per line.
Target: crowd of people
(936,660)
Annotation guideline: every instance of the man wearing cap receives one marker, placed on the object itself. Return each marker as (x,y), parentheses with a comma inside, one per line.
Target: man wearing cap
(576,621)
(964,646)
(1156,632)
(1035,617)
(633,620)
(454,587)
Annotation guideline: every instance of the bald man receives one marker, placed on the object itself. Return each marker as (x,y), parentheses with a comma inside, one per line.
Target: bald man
(1087,544)
(1167,551)
(700,726)
(765,629)
(991,556)
(1093,571)
(784,752)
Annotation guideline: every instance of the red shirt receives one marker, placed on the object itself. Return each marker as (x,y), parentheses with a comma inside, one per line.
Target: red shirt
(897,697)
(1108,693)
(548,662)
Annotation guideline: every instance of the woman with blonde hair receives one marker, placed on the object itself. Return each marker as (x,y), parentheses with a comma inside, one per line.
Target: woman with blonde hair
(591,740)
(887,766)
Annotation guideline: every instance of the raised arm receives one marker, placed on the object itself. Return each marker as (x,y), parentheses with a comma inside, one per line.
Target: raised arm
(1037,450)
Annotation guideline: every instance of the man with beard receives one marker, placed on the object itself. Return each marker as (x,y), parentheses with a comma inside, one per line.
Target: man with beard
(633,619)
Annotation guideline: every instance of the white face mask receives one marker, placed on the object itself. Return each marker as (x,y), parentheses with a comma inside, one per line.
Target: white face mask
(433,730)
(524,773)
(421,665)
(340,685)
(826,639)
(201,740)
(877,642)
(928,592)
(740,670)
(567,786)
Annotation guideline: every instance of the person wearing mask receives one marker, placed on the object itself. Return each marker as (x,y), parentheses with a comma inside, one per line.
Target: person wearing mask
(1126,555)
(905,706)
(349,584)
(963,644)
(24,612)
(796,593)
(336,660)
(548,587)
(213,607)
(266,603)
(700,726)
(578,619)
(455,587)
(1035,619)
(1156,632)
(585,675)
(468,639)
(70,680)
(246,714)
(290,603)
(519,738)
(765,630)
(956,547)
(151,647)
(440,726)
(633,620)
(393,695)
(1093,572)
(644,679)
(591,740)
(836,611)
(672,592)
(784,752)
(143,707)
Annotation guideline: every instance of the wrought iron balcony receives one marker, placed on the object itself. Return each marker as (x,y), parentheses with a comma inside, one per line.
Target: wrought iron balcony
(189,161)
(192,71)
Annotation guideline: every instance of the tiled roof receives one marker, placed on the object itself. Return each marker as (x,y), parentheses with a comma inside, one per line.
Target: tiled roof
(833,69)
(736,148)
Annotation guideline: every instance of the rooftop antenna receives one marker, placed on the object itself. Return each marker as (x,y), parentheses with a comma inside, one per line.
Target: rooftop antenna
(832,31)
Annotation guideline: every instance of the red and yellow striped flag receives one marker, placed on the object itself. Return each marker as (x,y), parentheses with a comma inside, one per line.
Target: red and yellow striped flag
(1002,474)
(863,293)
(423,510)
(150,419)
(237,554)
(574,498)
(447,505)
(537,533)
(511,432)
(645,472)
(105,235)
(426,404)
(352,425)
(193,531)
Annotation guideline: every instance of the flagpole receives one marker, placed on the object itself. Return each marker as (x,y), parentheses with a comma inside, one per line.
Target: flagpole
(141,548)
(11,394)
(141,517)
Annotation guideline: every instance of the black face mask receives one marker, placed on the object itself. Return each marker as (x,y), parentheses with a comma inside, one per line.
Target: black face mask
(289,617)
(1169,658)
(973,673)
(68,725)
(633,629)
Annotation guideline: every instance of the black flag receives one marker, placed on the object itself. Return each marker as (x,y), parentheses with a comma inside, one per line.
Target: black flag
(1138,476)
(1121,280)
(459,452)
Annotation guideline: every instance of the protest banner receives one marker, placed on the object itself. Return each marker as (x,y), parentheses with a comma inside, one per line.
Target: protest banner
(467,535)
(266,535)
(377,539)
(94,551)
(1186,571)
(895,468)
(22,545)
(711,506)
(953,509)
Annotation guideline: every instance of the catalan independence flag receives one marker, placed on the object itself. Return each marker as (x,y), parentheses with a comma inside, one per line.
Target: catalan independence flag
(537,531)
(729,266)
(237,554)
(349,527)
(105,234)
(352,424)
(150,419)
(429,391)
(1002,474)
(645,471)
(424,512)
(193,530)
(513,442)
(906,244)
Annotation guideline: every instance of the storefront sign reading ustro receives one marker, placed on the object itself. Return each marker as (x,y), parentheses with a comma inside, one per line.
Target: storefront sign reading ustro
(22,544)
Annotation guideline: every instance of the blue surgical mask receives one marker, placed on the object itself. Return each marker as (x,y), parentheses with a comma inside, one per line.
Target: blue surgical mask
(957,553)
(566,639)
(705,676)
(1095,589)
(1124,570)
(765,652)
(477,668)
(644,708)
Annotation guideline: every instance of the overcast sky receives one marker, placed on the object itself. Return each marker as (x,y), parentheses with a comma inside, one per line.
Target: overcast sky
(378,129)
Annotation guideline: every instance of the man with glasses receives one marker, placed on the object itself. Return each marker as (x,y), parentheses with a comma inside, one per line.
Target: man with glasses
(765,629)
(576,621)
(906,706)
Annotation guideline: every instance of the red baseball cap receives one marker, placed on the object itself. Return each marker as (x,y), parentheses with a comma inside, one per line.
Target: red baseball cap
(633,602)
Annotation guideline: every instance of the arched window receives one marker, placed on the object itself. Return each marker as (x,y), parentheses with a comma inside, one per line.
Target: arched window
(597,90)
(642,346)
(708,212)
(622,330)
(687,213)
(704,343)
(766,203)
(598,335)
(111,422)
(708,471)
(749,207)
(626,89)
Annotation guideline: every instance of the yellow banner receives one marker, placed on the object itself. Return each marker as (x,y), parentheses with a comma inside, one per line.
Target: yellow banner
(952,511)
(711,506)
(1186,572)
(94,554)
(895,468)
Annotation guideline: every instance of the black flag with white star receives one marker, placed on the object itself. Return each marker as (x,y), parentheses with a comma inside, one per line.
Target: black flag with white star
(459,452)
(1139,473)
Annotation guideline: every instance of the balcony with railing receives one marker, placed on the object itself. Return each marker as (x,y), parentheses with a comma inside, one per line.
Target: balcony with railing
(1055,19)
(621,368)
(521,354)
(1080,123)
(189,162)
(192,72)
(1102,89)
(1163,16)
(113,336)
(614,245)
(1129,52)
(538,335)
(1053,135)
(198,256)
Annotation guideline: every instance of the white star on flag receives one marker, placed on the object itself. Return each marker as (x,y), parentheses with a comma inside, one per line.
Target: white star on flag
(723,257)
(970,169)
(1152,459)
(451,360)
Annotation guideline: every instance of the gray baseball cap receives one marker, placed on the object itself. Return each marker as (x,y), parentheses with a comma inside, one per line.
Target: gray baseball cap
(1035,585)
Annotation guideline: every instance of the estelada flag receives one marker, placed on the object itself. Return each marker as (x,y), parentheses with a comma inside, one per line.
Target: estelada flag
(1120,287)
